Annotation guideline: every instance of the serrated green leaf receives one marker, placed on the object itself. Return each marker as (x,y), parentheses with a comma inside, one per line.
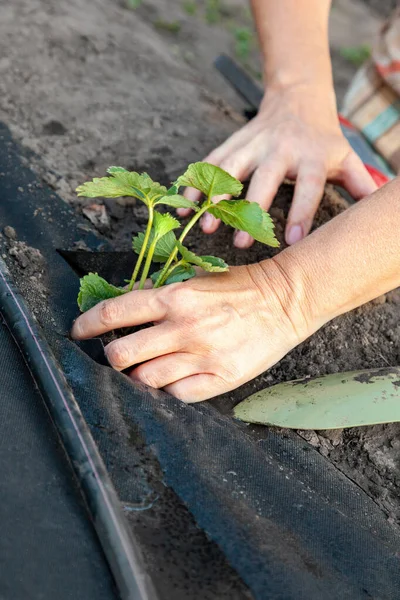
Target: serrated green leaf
(164,246)
(180,273)
(210,180)
(177,201)
(163,224)
(246,216)
(106,187)
(94,289)
(123,183)
(212,264)
(142,184)
(112,170)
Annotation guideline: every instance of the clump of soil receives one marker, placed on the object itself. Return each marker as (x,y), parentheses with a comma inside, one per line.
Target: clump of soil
(31,263)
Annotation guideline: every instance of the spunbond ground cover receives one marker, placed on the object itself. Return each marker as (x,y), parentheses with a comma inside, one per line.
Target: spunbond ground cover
(218,510)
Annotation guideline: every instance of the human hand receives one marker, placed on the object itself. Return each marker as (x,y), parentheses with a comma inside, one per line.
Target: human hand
(209,335)
(296,134)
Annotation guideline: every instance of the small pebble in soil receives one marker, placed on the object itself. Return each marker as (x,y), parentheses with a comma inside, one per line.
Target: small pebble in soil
(54,127)
(10,232)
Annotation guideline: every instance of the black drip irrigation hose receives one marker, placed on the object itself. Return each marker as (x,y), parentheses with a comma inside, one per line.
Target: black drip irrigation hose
(117,542)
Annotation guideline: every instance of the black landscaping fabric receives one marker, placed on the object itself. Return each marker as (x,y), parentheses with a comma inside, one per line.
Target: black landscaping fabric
(219,510)
(48,547)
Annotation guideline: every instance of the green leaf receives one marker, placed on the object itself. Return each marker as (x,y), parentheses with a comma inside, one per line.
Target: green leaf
(94,289)
(210,180)
(106,187)
(212,264)
(180,273)
(163,224)
(164,246)
(122,183)
(357,55)
(112,170)
(177,201)
(174,189)
(246,216)
(141,183)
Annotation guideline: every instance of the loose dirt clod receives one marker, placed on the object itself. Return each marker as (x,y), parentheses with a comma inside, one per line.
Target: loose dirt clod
(33,281)
(10,232)
(29,259)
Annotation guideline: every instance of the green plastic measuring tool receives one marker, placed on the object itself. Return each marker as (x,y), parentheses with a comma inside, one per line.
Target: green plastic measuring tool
(328,402)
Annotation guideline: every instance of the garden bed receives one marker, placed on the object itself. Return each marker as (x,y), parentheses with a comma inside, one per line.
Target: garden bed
(368,337)
(85,87)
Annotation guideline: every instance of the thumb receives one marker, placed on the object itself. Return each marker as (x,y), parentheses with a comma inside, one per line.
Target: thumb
(356,179)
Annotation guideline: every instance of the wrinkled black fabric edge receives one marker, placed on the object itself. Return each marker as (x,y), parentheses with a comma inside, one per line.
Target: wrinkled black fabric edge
(120,548)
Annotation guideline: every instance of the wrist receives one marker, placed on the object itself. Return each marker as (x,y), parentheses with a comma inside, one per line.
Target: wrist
(301,92)
(282,81)
(314,104)
(286,294)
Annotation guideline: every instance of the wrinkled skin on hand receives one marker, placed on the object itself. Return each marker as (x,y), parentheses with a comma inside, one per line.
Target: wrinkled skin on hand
(209,335)
(296,134)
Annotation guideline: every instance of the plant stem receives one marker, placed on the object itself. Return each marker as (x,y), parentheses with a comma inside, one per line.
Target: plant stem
(147,264)
(172,268)
(162,277)
(143,249)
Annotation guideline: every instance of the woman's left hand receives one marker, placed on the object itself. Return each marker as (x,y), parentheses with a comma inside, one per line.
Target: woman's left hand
(209,335)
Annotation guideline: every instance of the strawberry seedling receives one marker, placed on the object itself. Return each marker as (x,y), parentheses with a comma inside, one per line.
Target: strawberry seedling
(159,243)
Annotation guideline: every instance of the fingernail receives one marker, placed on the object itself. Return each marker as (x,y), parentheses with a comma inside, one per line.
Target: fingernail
(242,239)
(207,221)
(295,234)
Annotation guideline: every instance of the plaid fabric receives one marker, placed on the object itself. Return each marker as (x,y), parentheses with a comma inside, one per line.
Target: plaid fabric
(372,103)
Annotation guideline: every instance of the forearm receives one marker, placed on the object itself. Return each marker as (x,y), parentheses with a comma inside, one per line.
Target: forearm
(349,261)
(294,41)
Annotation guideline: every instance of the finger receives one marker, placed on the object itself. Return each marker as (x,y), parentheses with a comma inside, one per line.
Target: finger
(263,188)
(148,284)
(190,194)
(133,308)
(356,179)
(196,388)
(141,346)
(209,223)
(310,186)
(167,369)
(184,212)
